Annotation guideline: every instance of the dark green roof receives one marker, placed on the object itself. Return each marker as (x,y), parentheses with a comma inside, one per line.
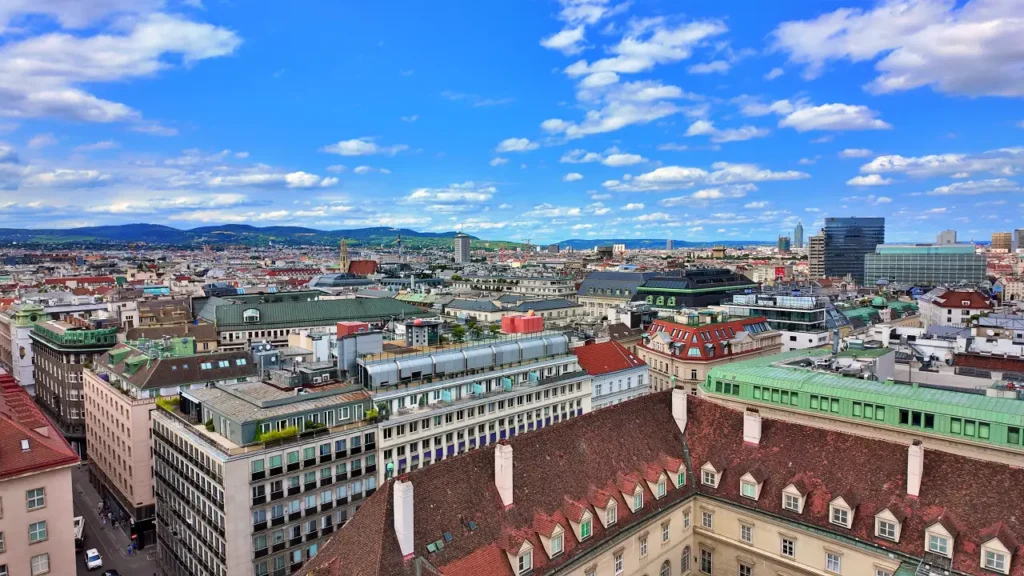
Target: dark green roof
(319,312)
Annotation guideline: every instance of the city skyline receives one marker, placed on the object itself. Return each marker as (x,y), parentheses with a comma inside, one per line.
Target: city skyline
(549,121)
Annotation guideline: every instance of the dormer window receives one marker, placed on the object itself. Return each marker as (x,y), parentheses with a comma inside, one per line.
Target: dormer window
(885,529)
(611,514)
(250,315)
(661,488)
(586,528)
(708,477)
(791,502)
(557,544)
(938,544)
(994,560)
(840,516)
(526,562)
(638,499)
(748,490)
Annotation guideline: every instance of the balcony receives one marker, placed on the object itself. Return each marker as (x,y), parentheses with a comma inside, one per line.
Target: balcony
(357,450)
(293,466)
(295,542)
(309,486)
(312,536)
(326,506)
(293,490)
(325,458)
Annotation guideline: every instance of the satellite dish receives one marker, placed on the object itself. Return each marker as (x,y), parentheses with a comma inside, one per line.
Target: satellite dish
(990,332)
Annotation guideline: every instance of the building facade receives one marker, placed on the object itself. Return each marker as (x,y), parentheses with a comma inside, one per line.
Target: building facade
(61,351)
(462,251)
(816,256)
(925,264)
(600,291)
(798,235)
(947,307)
(803,321)
(695,288)
(1002,242)
(847,242)
(784,244)
(36,510)
(946,237)
(618,373)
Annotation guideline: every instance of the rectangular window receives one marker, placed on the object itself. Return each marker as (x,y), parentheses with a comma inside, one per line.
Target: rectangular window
(585,529)
(556,545)
(618,564)
(707,519)
(788,547)
(747,533)
(665,532)
(37,532)
(611,515)
(661,488)
(995,561)
(36,499)
(643,546)
(841,516)
(706,562)
(638,501)
(791,502)
(707,478)
(686,519)
(40,564)
(833,562)
(938,544)
(887,530)
(525,562)
(748,490)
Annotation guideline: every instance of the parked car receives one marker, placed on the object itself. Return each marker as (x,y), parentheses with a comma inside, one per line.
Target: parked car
(93,559)
(111,573)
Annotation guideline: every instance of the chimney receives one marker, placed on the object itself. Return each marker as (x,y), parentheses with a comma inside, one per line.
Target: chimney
(915,468)
(679,400)
(503,473)
(752,426)
(403,516)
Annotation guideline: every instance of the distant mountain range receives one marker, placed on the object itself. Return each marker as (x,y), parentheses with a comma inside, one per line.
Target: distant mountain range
(655,243)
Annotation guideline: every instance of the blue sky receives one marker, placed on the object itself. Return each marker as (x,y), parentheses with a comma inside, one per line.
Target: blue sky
(538,119)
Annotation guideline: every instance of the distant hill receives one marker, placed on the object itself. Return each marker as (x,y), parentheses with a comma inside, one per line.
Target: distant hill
(228,234)
(655,243)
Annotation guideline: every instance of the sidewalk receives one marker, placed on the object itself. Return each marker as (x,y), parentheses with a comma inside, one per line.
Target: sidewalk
(111,542)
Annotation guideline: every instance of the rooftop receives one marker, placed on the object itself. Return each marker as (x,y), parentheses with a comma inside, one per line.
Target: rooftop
(21,422)
(606,358)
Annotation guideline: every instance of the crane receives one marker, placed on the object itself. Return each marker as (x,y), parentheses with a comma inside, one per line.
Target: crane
(526,249)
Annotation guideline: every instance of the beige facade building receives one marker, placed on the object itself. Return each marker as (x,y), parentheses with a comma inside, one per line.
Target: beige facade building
(36,513)
(816,256)
(1002,242)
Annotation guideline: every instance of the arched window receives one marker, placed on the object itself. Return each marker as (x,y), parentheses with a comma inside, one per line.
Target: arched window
(661,300)
(650,299)
(666,569)
(684,562)
(671,300)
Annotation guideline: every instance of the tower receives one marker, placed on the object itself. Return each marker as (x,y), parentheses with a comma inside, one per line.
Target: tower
(461,248)
(798,235)
(343,260)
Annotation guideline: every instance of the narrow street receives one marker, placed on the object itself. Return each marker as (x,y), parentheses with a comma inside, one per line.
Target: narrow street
(111,542)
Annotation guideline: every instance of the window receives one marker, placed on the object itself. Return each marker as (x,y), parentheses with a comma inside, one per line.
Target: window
(707,519)
(995,561)
(791,502)
(789,547)
(680,478)
(840,516)
(618,564)
(748,490)
(882,572)
(40,564)
(586,528)
(643,546)
(747,533)
(638,501)
(661,488)
(36,499)
(938,544)
(745,570)
(684,560)
(885,529)
(3,570)
(664,532)
(525,562)
(686,519)
(707,477)
(666,569)
(833,562)
(611,514)
(706,561)
(556,544)
(3,545)
(37,532)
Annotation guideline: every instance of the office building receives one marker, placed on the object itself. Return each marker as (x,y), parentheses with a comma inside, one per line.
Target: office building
(1002,242)
(462,253)
(552,249)
(946,237)
(798,235)
(680,354)
(253,478)
(37,527)
(1018,239)
(600,291)
(448,402)
(618,374)
(925,264)
(527,286)
(669,245)
(694,288)
(784,244)
(121,389)
(816,256)
(618,492)
(803,321)
(847,241)
(62,349)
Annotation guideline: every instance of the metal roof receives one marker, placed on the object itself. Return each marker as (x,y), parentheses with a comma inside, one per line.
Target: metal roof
(319,312)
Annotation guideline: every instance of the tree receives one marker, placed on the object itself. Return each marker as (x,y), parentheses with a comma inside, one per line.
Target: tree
(475,330)
(458,333)
(495,329)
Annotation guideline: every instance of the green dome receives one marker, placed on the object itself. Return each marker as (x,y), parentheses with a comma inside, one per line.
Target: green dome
(878,302)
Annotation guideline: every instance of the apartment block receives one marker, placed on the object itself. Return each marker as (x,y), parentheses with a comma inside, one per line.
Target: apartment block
(36,516)
(121,390)
(618,373)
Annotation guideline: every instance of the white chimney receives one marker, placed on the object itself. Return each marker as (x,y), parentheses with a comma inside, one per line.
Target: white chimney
(503,473)
(915,468)
(752,426)
(679,400)
(403,516)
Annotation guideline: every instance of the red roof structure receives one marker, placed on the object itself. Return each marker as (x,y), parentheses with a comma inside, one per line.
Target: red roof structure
(29,442)
(82,280)
(958,299)
(606,357)
(706,341)
(362,267)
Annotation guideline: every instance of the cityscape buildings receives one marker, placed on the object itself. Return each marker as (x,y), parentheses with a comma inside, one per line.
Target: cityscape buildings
(1002,242)
(816,256)
(618,374)
(847,242)
(925,264)
(784,244)
(946,237)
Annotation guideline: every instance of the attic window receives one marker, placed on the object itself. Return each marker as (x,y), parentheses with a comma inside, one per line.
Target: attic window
(938,544)
(638,500)
(708,478)
(748,490)
(24,445)
(526,562)
(839,516)
(661,488)
(250,315)
(994,560)
(611,514)
(556,544)
(791,502)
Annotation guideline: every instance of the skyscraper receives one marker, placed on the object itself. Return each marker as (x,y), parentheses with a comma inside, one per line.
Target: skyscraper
(847,241)
(798,235)
(784,244)
(816,256)
(668,244)
(1002,241)
(1018,239)
(461,248)
(947,237)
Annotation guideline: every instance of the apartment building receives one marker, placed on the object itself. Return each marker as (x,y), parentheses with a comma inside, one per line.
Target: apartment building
(121,390)
(61,350)
(36,516)
(949,307)
(804,321)
(618,373)
(679,354)
(617,493)
(528,287)
(600,291)
(252,478)
(438,405)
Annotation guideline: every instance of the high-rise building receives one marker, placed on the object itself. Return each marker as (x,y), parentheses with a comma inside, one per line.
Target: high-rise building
(798,235)
(1018,239)
(816,255)
(1002,241)
(785,245)
(462,248)
(925,264)
(947,237)
(847,241)
(669,245)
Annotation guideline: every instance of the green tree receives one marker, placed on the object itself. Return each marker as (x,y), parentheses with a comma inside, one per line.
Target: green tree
(458,333)
(495,329)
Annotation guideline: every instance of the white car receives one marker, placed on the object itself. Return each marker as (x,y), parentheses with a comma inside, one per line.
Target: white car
(93,559)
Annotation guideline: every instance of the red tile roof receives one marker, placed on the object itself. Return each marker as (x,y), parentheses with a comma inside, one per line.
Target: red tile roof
(956,299)
(21,419)
(82,280)
(362,267)
(705,337)
(606,357)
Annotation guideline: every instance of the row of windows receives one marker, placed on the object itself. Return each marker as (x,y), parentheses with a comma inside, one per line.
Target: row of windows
(731,388)
(869,411)
(775,395)
(824,403)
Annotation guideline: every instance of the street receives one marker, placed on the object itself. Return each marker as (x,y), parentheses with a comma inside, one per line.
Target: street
(111,542)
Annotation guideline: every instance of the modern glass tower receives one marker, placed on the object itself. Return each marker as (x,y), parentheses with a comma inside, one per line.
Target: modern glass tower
(848,241)
(925,264)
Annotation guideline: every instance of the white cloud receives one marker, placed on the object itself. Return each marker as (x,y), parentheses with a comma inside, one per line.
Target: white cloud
(95,146)
(869,180)
(579,156)
(654,217)
(650,42)
(568,41)
(42,141)
(411,118)
(633,206)
(869,199)
(270,179)
(706,127)
(370,170)
(618,160)
(834,117)
(241,155)
(968,48)
(328,182)
(67,178)
(855,153)
(774,73)
(673,147)
(516,145)
(498,161)
(598,209)
(504,206)
(163,204)
(756,205)
(678,177)
(971,187)
(554,125)
(572,177)
(550,211)
(1001,162)
(362,147)
(466,192)
(715,67)
(476,100)
(808,161)
(582,226)
(336,168)
(705,196)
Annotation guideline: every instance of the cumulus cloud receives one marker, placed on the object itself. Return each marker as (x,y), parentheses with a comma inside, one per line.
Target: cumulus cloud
(965,48)
(855,153)
(870,199)
(705,196)
(467,192)
(834,117)
(774,73)
(714,67)
(1001,162)
(370,170)
(869,180)
(707,128)
(498,161)
(362,147)
(572,177)
(516,145)
(546,210)
(679,177)
(633,206)
(972,187)
(756,205)
(568,41)
(271,179)
(611,157)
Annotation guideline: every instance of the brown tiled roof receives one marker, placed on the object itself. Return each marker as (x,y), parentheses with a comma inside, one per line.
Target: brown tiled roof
(161,372)
(606,357)
(197,331)
(21,419)
(362,267)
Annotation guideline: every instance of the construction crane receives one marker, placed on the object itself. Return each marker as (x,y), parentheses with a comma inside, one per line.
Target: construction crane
(526,249)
